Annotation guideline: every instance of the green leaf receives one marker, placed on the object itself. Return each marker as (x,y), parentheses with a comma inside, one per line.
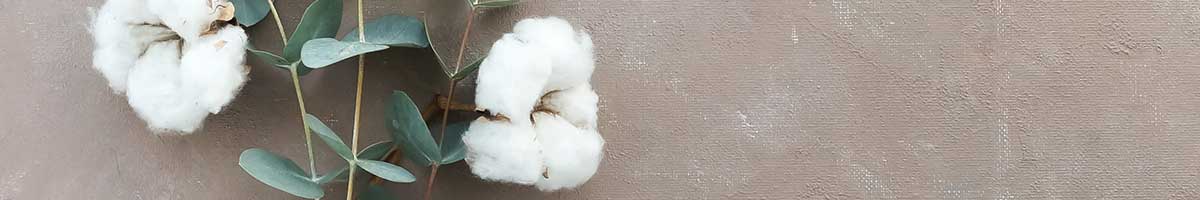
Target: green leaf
(268,57)
(328,177)
(467,71)
(410,132)
(250,12)
(375,151)
(279,172)
(453,149)
(328,136)
(387,171)
(321,20)
(494,3)
(318,53)
(393,30)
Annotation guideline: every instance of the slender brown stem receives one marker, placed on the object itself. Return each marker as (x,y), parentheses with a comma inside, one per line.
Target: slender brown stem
(357,105)
(462,47)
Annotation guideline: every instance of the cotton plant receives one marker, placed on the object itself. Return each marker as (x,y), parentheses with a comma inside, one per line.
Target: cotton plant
(540,123)
(175,61)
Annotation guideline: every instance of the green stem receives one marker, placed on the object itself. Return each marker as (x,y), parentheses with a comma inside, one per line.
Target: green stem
(312,163)
(357,104)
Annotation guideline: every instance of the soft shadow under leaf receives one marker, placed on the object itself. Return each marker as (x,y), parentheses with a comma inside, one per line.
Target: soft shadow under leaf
(279,172)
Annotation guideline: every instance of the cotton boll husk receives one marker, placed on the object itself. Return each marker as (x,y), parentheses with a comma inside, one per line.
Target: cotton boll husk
(214,66)
(569,50)
(188,18)
(571,154)
(158,96)
(511,79)
(503,151)
(577,105)
(121,35)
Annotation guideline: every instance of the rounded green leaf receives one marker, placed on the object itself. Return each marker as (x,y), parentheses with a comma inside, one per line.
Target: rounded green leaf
(453,149)
(328,177)
(410,132)
(321,20)
(318,53)
(467,71)
(375,151)
(250,12)
(387,171)
(278,172)
(328,136)
(393,30)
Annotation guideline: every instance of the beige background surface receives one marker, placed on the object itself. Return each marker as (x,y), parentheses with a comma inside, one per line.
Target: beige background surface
(773,99)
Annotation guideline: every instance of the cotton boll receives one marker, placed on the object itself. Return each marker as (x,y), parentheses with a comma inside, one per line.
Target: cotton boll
(572,154)
(502,151)
(121,34)
(577,105)
(511,79)
(188,18)
(158,96)
(569,50)
(214,66)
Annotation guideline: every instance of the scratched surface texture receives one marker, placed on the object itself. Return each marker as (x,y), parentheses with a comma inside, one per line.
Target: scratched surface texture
(771,99)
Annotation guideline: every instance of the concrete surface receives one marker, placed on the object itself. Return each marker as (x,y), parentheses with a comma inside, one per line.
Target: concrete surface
(773,99)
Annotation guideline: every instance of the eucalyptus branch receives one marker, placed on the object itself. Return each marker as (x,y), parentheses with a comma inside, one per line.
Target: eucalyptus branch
(312,163)
(462,47)
(357,103)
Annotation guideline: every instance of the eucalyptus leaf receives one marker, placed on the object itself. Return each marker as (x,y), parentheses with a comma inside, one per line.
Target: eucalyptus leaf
(387,171)
(320,20)
(328,136)
(318,53)
(375,151)
(393,30)
(279,172)
(494,3)
(329,177)
(268,57)
(453,149)
(409,131)
(467,71)
(250,12)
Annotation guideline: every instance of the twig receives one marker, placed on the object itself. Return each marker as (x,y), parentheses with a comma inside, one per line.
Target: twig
(357,105)
(462,47)
(312,162)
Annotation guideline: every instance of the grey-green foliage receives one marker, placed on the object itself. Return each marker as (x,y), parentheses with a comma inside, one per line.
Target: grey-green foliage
(250,12)
(414,137)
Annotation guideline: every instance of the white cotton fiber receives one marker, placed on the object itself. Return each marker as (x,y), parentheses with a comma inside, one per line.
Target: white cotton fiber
(577,105)
(571,154)
(158,96)
(570,51)
(511,79)
(503,151)
(214,65)
(122,32)
(188,18)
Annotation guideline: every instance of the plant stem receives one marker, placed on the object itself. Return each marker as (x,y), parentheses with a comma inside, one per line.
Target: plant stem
(357,104)
(462,47)
(312,163)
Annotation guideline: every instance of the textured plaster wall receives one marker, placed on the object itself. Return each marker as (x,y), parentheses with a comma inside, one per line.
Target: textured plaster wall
(772,99)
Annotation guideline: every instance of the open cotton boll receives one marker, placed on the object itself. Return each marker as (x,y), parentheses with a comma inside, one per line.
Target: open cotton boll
(511,79)
(158,96)
(572,154)
(577,105)
(502,151)
(189,18)
(214,66)
(121,34)
(569,50)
